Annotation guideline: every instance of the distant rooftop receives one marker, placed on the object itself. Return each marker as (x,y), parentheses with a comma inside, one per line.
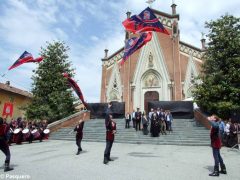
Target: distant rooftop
(8,88)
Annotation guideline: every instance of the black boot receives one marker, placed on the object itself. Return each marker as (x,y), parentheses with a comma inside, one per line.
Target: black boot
(7,168)
(78,152)
(223,169)
(215,172)
(105,161)
(108,158)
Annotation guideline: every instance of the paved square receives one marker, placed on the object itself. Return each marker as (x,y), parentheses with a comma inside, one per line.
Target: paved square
(55,159)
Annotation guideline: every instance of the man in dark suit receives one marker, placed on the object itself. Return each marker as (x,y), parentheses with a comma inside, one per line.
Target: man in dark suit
(138,116)
(127,119)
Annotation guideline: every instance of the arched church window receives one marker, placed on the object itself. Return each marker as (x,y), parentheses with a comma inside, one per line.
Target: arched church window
(174,29)
(192,78)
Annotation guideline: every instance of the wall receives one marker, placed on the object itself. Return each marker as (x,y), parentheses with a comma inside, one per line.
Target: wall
(201,118)
(17,100)
(69,121)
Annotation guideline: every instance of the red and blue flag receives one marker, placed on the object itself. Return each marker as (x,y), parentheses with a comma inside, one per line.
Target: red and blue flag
(135,43)
(76,88)
(145,21)
(26,57)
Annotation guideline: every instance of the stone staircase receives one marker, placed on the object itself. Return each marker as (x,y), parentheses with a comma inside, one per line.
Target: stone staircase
(186,132)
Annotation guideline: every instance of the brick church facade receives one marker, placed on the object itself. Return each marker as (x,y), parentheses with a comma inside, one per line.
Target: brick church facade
(162,70)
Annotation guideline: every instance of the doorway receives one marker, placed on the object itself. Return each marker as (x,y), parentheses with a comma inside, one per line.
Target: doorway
(150,96)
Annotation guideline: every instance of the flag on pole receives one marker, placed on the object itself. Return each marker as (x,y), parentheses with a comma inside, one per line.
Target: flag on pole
(134,44)
(145,21)
(76,88)
(26,57)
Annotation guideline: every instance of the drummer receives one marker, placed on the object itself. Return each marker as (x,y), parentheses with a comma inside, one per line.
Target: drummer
(20,127)
(34,127)
(41,129)
(30,127)
(45,124)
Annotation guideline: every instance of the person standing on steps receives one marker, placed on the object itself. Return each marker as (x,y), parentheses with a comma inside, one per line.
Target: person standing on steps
(133,119)
(79,135)
(110,134)
(4,145)
(216,146)
(138,117)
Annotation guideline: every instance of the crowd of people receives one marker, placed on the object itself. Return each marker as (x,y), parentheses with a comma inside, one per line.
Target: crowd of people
(229,132)
(20,130)
(17,131)
(159,120)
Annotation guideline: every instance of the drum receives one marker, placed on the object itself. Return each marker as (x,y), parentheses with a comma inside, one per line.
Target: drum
(16,135)
(35,134)
(26,134)
(16,131)
(46,133)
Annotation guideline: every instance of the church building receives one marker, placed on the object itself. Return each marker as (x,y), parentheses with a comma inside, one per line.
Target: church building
(162,70)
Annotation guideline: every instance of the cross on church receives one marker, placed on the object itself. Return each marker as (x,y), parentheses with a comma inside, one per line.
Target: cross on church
(150,2)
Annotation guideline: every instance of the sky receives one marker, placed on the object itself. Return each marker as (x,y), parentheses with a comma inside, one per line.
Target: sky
(87,27)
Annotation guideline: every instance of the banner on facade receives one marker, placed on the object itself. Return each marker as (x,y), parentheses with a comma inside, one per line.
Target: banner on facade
(7,109)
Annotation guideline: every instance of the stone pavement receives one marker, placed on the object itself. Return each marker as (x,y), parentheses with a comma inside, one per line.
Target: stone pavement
(56,159)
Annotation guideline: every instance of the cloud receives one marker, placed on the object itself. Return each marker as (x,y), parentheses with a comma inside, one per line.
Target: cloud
(88,64)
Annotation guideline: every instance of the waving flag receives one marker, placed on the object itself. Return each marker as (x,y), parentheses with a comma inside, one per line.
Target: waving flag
(76,88)
(26,57)
(145,21)
(134,44)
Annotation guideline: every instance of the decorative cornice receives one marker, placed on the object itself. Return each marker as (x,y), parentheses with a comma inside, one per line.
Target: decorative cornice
(190,50)
(170,16)
(115,57)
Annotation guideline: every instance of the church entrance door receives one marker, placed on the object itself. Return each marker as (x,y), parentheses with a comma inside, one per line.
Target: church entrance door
(150,96)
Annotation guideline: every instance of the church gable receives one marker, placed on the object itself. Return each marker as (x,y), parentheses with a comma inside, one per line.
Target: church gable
(151,73)
(151,58)
(114,89)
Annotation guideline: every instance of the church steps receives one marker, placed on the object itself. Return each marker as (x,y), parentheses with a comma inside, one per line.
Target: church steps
(186,132)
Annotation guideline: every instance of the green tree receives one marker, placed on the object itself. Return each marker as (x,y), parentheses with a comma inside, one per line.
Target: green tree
(219,91)
(52,97)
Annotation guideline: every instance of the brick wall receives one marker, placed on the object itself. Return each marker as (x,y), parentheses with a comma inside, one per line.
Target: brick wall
(201,118)
(69,121)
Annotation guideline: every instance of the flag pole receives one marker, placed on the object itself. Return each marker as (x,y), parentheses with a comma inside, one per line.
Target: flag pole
(4,73)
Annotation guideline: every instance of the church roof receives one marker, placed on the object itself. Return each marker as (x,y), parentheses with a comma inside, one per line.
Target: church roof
(14,90)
